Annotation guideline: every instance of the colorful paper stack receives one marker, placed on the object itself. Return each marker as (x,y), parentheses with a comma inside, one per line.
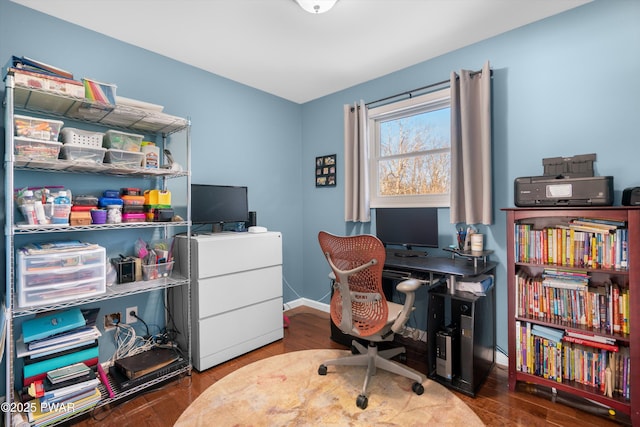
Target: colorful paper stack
(104,93)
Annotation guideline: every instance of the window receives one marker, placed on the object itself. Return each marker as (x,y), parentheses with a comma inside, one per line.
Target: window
(410,152)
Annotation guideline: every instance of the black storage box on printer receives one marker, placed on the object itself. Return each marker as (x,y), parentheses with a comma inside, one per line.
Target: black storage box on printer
(567,181)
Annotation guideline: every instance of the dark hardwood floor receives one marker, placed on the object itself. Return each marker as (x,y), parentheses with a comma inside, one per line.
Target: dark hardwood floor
(310,329)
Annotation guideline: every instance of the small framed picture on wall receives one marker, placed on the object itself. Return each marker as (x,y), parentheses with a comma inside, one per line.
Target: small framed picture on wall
(326,171)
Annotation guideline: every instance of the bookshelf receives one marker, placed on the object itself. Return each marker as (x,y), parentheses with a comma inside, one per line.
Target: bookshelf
(596,299)
(21,170)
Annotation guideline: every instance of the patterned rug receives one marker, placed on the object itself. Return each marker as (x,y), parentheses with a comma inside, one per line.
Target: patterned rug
(286,390)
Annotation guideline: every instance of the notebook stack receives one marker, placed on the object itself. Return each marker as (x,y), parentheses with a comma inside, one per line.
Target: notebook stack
(58,350)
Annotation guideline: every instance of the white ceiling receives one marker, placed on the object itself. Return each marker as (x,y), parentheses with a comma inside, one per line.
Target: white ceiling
(275,46)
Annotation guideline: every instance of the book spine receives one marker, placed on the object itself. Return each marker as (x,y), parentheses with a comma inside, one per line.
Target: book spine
(593,344)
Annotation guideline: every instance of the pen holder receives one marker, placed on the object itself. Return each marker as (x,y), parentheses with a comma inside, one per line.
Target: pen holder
(157,271)
(98,216)
(477,242)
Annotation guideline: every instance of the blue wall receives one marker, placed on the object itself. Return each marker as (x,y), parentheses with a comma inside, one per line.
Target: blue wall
(240,136)
(563,86)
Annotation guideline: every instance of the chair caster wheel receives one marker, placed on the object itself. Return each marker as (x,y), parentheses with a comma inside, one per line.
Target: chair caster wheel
(362,401)
(417,388)
(322,370)
(402,358)
(354,350)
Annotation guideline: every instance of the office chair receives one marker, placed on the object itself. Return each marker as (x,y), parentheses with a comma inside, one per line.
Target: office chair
(360,309)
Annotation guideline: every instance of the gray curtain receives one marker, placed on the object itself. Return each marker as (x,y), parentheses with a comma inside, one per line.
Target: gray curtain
(471,172)
(356,164)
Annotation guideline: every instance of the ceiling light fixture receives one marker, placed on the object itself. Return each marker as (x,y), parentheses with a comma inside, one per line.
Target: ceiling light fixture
(316,6)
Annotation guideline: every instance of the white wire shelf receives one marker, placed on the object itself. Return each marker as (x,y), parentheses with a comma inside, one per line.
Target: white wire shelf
(74,166)
(52,228)
(116,116)
(113,291)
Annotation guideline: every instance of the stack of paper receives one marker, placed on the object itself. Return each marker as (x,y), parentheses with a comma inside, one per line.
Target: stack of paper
(477,285)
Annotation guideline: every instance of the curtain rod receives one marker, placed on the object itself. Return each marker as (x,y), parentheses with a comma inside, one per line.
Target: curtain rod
(409,92)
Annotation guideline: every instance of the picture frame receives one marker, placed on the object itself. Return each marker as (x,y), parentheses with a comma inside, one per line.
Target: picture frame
(326,171)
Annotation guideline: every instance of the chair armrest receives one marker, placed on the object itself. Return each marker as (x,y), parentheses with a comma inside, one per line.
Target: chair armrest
(408,287)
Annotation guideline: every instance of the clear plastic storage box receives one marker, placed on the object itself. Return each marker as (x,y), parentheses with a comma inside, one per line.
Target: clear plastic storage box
(127,159)
(83,153)
(157,271)
(36,149)
(122,140)
(32,127)
(52,278)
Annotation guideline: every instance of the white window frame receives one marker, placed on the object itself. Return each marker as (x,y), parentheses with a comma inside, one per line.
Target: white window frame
(420,104)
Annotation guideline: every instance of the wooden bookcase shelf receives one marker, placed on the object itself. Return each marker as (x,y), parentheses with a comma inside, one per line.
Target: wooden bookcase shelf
(626,278)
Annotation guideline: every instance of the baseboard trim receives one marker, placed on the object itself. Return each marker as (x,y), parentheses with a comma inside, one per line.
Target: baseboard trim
(307,303)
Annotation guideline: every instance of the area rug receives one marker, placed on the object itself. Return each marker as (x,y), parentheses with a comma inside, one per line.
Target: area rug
(286,390)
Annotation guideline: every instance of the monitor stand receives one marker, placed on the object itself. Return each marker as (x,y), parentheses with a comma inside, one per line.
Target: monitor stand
(408,252)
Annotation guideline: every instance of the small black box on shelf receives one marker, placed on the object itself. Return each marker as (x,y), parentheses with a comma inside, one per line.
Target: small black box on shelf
(631,196)
(125,269)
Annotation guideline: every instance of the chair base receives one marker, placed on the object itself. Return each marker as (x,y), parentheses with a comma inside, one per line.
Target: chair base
(374,359)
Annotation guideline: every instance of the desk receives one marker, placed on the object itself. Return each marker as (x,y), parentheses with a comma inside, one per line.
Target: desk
(469,320)
(433,268)
(471,317)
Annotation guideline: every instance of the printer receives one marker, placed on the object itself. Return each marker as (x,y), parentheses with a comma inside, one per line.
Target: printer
(567,181)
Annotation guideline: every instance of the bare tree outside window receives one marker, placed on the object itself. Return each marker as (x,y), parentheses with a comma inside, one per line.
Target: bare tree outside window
(414,155)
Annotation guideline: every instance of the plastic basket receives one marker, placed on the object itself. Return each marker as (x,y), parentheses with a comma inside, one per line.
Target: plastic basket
(157,271)
(85,138)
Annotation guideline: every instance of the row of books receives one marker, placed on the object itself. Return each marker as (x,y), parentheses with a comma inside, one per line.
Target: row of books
(58,350)
(572,245)
(605,308)
(558,356)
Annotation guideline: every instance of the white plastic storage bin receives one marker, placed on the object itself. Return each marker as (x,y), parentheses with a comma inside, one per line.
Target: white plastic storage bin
(46,279)
(122,140)
(36,149)
(83,153)
(32,127)
(81,137)
(122,158)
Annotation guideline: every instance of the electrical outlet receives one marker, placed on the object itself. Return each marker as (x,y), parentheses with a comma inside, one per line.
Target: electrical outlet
(110,320)
(129,318)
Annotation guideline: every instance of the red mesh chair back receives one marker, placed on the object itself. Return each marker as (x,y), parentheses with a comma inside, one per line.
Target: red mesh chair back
(363,291)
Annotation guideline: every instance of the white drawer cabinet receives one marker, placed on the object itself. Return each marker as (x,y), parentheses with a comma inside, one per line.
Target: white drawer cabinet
(236,293)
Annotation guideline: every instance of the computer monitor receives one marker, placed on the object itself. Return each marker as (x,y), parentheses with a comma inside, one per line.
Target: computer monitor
(218,204)
(407,227)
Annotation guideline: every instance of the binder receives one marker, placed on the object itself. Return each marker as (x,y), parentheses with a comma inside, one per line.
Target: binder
(43,375)
(51,324)
(28,360)
(44,366)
